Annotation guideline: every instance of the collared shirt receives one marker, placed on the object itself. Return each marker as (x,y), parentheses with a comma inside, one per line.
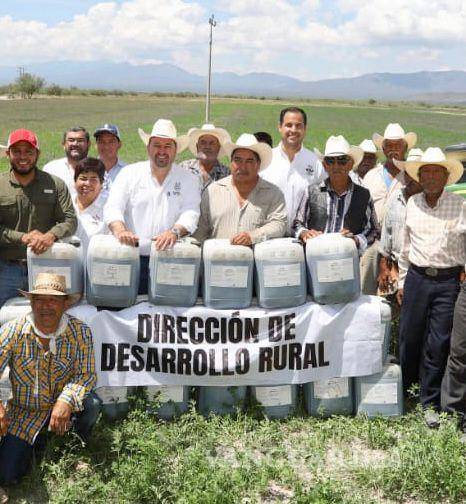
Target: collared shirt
(356,178)
(433,237)
(63,170)
(375,182)
(90,221)
(218,171)
(39,377)
(391,238)
(110,177)
(337,209)
(44,204)
(148,208)
(293,177)
(262,215)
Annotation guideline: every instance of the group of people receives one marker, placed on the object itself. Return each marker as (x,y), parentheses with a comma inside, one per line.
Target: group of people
(385,195)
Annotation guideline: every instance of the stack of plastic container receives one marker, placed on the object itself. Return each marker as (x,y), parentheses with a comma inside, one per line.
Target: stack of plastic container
(227,274)
(173,399)
(112,273)
(329,397)
(279,401)
(280,273)
(61,259)
(174,274)
(333,269)
(115,404)
(221,400)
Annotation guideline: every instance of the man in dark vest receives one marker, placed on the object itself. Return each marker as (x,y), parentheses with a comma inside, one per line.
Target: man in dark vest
(338,205)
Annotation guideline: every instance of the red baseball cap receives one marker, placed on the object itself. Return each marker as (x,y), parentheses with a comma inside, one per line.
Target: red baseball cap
(23,135)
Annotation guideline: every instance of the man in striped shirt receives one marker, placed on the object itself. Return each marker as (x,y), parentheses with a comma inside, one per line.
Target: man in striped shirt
(431,264)
(51,361)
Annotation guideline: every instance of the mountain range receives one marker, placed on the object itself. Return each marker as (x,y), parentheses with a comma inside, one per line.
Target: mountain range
(438,86)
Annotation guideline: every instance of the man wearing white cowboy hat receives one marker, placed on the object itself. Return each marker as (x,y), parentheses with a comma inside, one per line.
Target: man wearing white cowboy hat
(431,264)
(51,360)
(367,163)
(154,200)
(382,182)
(243,207)
(293,167)
(338,205)
(206,144)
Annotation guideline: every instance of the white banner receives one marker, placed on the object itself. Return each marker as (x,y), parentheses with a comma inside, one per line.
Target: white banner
(160,345)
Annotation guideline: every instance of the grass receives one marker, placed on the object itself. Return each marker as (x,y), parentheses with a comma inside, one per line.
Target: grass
(246,458)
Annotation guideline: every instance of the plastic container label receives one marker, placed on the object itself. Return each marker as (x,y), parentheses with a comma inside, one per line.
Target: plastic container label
(110,395)
(175,274)
(282,275)
(173,393)
(335,388)
(111,274)
(335,270)
(274,396)
(379,393)
(60,270)
(229,276)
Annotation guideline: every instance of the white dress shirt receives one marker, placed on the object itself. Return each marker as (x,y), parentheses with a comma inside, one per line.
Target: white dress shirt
(90,221)
(293,177)
(148,208)
(62,169)
(433,237)
(110,176)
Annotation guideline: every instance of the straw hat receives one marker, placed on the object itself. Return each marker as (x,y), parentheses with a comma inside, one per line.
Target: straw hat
(248,141)
(394,132)
(414,154)
(368,146)
(339,146)
(220,134)
(49,284)
(432,156)
(457,151)
(164,128)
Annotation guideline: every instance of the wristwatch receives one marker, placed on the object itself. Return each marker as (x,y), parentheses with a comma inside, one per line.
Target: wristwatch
(176,232)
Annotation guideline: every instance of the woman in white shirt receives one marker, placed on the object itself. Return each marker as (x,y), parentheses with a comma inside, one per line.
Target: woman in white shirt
(88,178)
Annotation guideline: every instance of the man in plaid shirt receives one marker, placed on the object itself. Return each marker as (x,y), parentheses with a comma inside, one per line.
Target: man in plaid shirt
(51,361)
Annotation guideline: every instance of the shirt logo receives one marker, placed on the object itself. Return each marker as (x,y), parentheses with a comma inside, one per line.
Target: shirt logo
(177,189)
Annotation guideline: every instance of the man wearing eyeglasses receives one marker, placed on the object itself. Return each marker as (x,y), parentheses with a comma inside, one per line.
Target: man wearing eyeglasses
(76,144)
(338,205)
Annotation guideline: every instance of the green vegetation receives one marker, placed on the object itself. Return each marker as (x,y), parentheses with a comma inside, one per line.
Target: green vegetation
(247,458)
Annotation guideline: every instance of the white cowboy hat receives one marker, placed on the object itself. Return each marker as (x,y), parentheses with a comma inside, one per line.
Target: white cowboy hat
(164,128)
(456,152)
(339,146)
(49,284)
(220,134)
(394,132)
(368,146)
(432,156)
(248,141)
(414,154)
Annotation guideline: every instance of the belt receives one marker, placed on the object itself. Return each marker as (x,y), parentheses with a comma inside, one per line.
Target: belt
(438,272)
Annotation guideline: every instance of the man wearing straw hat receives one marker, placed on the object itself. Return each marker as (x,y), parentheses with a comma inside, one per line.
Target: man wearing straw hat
(367,163)
(206,144)
(154,200)
(243,207)
(338,205)
(382,181)
(431,265)
(51,361)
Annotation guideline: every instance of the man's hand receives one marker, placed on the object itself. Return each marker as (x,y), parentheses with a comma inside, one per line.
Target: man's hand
(27,237)
(348,234)
(309,233)
(399,296)
(165,240)
(39,242)
(4,420)
(127,238)
(60,419)
(242,239)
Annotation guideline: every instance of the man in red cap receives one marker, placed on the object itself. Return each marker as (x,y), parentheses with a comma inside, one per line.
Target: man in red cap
(35,211)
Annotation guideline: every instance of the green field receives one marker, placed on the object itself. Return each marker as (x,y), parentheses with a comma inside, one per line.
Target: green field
(247,458)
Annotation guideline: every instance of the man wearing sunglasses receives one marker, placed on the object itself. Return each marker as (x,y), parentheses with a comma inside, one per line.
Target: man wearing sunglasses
(338,205)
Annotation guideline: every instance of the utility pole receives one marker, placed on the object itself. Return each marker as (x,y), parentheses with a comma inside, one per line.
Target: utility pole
(212,24)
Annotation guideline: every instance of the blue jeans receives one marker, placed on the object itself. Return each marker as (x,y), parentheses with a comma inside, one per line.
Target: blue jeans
(16,454)
(12,277)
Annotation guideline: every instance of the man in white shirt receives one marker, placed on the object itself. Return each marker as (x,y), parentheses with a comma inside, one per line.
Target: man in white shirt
(154,200)
(431,265)
(382,181)
(293,167)
(76,144)
(108,141)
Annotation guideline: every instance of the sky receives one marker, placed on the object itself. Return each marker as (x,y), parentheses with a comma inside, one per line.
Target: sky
(305,39)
